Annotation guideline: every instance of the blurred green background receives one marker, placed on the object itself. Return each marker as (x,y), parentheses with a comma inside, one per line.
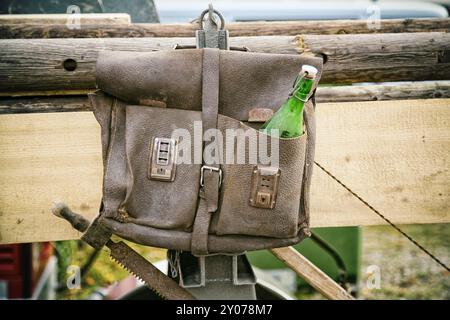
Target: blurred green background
(405,271)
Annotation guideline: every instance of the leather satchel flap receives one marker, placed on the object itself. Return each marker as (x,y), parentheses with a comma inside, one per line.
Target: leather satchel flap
(173,78)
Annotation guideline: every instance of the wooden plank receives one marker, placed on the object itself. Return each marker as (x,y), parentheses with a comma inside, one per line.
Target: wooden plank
(28,183)
(311,274)
(30,29)
(38,64)
(77,101)
(60,19)
(394,154)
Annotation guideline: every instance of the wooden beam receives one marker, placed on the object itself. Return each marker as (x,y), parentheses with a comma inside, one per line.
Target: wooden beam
(35,29)
(311,274)
(77,101)
(46,93)
(56,19)
(384,91)
(44,104)
(394,154)
(38,64)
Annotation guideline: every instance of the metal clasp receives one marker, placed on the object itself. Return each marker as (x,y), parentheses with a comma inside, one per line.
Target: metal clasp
(215,169)
(163,162)
(264,187)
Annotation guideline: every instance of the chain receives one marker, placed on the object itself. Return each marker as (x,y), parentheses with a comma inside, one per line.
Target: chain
(173,258)
(384,218)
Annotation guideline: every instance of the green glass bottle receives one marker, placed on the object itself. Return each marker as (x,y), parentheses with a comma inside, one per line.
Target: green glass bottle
(288,120)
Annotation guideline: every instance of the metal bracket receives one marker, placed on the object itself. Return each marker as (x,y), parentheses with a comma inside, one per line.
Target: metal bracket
(242,271)
(192,271)
(211,34)
(218,276)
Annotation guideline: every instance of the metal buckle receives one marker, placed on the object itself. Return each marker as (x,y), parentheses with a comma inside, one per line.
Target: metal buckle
(216,169)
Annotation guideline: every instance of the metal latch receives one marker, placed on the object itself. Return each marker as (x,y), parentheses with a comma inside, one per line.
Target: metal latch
(163,162)
(264,187)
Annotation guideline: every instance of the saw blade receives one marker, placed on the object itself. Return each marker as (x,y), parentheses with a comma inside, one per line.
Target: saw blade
(97,236)
(157,281)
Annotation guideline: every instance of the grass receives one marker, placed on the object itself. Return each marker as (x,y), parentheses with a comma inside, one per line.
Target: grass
(405,271)
(103,272)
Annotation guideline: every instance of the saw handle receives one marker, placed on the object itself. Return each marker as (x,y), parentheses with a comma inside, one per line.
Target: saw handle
(77,221)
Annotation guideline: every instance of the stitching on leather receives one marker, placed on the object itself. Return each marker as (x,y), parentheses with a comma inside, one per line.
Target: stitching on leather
(305,189)
(149,161)
(128,169)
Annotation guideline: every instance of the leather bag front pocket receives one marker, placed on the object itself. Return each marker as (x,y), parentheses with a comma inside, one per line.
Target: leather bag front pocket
(237,215)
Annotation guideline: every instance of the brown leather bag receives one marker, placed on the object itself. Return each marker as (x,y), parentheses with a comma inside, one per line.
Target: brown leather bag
(203,208)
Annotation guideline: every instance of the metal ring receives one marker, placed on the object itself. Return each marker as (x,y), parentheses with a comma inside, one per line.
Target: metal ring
(202,16)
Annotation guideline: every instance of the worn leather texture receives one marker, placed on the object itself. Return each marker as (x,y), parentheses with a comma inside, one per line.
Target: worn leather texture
(148,95)
(236,215)
(209,195)
(173,79)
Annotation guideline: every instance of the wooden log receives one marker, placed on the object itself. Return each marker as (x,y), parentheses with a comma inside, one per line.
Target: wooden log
(57,19)
(68,64)
(45,93)
(44,104)
(77,101)
(237,29)
(311,274)
(394,154)
(385,91)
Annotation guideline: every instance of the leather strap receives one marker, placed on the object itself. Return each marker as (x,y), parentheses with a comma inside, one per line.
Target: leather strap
(209,195)
(210,88)
(199,240)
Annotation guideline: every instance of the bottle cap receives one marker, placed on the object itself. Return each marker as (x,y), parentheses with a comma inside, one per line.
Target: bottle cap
(310,71)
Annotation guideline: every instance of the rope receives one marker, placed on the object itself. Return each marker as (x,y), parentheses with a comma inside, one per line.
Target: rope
(384,218)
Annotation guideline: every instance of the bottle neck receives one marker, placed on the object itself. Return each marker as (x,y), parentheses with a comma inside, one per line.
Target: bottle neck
(302,89)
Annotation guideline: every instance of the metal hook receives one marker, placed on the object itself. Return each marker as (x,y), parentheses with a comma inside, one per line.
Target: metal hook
(211,11)
(211,14)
